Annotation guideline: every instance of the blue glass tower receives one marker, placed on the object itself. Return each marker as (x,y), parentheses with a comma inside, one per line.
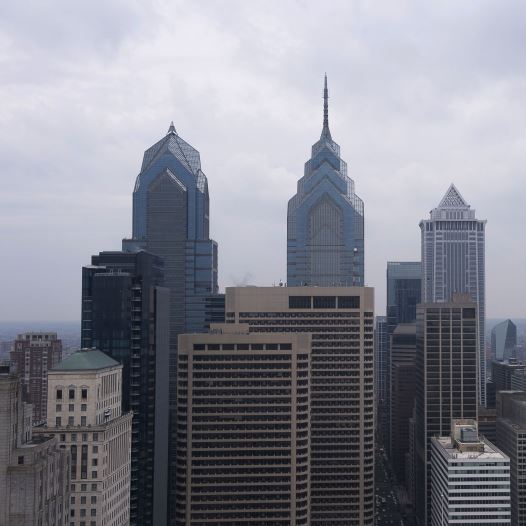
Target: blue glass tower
(170,220)
(325,235)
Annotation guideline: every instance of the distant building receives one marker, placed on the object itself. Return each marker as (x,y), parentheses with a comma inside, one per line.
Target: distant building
(33,354)
(446,382)
(470,479)
(84,413)
(381,348)
(511,438)
(487,423)
(125,313)
(502,373)
(504,341)
(403,370)
(325,234)
(244,415)
(34,471)
(453,262)
(340,321)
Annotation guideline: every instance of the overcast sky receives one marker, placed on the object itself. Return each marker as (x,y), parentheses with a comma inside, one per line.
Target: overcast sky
(422,94)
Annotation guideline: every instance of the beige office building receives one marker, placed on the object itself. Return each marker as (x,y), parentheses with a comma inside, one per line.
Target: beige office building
(84,413)
(243,428)
(340,322)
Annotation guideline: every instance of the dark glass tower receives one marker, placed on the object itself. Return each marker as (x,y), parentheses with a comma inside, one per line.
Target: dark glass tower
(325,242)
(171,220)
(125,314)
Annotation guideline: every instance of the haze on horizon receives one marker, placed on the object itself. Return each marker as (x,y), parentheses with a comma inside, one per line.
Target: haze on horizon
(420,96)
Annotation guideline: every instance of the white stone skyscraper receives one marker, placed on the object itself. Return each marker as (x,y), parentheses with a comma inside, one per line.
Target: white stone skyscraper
(453,261)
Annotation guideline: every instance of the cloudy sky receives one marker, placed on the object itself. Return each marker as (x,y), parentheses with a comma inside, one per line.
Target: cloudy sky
(422,94)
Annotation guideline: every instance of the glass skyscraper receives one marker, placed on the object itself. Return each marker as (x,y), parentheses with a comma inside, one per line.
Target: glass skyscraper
(453,261)
(325,234)
(171,220)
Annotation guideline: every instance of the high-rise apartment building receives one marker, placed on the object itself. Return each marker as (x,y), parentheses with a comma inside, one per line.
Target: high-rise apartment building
(33,354)
(504,340)
(381,348)
(403,353)
(340,321)
(470,479)
(446,382)
(84,413)
(243,428)
(404,292)
(125,314)
(511,438)
(34,471)
(453,261)
(171,220)
(325,232)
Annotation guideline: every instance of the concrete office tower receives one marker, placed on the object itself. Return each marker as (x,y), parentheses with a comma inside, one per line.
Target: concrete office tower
(33,354)
(453,261)
(340,321)
(125,314)
(381,346)
(403,353)
(243,433)
(404,292)
(502,373)
(171,220)
(34,472)
(446,382)
(325,236)
(470,479)
(84,413)
(511,438)
(504,341)
(518,380)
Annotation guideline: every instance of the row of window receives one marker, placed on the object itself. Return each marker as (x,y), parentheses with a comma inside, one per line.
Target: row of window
(71,393)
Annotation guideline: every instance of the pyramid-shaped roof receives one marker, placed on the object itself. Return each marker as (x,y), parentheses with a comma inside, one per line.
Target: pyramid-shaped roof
(453,199)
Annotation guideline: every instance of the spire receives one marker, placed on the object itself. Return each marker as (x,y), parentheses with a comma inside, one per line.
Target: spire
(171,129)
(325,133)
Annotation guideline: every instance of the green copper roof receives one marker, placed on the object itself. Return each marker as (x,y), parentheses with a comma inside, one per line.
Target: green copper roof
(86,359)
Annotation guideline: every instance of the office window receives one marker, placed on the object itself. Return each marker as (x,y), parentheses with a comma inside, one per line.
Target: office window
(58,421)
(72,394)
(84,394)
(83,407)
(58,408)
(82,420)
(71,407)
(299,302)
(71,420)
(59,394)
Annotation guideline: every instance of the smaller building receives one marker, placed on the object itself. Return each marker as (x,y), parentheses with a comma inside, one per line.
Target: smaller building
(503,371)
(470,479)
(33,354)
(518,380)
(84,413)
(34,471)
(504,341)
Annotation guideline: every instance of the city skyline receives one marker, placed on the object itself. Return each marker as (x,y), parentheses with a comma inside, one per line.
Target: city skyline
(445,117)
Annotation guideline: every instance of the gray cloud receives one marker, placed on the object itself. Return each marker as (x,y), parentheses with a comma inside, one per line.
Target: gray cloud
(422,94)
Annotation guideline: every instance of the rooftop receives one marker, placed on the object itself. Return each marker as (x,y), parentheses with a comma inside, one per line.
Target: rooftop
(86,360)
(490,451)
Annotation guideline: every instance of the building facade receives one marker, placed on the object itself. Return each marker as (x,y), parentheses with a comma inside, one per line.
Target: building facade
(340,321)
(446,382)
(33,354)
(243,434)
(125,313)
(511,438)
(381,348)
(504,341)
(84,413)
(325,220)
(470,479)
(453,261)
(403,369)
(34,471)
(502,373)
(171,220)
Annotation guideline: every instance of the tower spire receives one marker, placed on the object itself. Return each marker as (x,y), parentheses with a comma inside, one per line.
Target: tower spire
(325,133)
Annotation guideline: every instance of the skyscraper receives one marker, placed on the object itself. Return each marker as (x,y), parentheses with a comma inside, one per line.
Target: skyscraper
(325,232)
(446,382)
(34,353)
(504,340)
(453,261)
(381,348)
(125,314)
(171,220)
(340,321)
(244,413)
